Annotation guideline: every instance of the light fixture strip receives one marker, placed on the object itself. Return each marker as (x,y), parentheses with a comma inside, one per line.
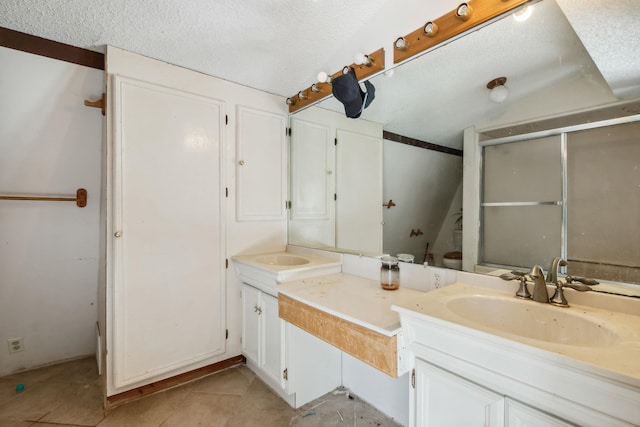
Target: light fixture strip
(324,90)
(451,25)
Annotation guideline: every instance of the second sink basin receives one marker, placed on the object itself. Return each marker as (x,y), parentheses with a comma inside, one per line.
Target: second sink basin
(533,320)
(282,259)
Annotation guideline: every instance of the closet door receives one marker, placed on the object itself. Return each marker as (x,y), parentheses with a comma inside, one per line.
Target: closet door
(168,287)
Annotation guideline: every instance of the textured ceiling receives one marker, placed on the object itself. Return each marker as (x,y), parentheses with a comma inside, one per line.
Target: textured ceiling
(275,45)
(279,46)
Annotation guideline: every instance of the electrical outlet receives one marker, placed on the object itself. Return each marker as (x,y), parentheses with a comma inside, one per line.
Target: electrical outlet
(437,277)
(15,345)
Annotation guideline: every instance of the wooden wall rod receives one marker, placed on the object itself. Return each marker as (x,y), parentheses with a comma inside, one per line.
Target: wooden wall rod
(100,103)
(80,199)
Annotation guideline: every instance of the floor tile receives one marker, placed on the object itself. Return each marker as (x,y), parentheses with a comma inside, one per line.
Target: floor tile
(81,406)
(203,409)
(35,402)
(150,411)
(70,395)
(230,381)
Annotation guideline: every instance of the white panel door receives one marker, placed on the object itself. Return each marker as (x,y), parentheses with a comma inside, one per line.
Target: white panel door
(167,218)
(359,192)
(312,217)
(261,165)
(444,399)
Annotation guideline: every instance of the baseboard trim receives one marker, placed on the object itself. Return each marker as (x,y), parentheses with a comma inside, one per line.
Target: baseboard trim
(145,390)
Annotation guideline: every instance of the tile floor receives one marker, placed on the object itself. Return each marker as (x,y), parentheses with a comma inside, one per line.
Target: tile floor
(69,394)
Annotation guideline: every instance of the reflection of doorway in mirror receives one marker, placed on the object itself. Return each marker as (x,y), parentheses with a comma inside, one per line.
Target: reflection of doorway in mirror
(423,183)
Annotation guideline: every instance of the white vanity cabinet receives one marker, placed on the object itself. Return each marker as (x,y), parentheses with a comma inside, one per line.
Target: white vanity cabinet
(262,334)
(445,399)
(520,415)
(297,365)
(464,376)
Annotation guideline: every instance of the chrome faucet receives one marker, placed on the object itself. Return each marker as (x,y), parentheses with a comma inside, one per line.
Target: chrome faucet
(540,293)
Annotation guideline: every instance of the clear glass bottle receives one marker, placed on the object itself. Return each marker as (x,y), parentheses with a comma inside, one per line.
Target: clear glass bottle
(389,273)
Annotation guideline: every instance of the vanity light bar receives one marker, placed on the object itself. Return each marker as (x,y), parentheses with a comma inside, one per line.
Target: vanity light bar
(319,91)
(463,18)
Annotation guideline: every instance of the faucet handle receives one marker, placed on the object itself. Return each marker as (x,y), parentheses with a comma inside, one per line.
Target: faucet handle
(523,291)
(558,297)
(585,280)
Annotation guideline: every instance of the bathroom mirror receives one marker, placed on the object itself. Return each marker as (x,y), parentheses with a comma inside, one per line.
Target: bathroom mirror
(554,64)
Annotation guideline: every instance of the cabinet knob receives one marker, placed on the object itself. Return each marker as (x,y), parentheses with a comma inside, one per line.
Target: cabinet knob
(117,234)
(241,162)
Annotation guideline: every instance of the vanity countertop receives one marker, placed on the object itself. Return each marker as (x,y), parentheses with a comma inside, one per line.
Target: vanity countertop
(352,298)
(619,359)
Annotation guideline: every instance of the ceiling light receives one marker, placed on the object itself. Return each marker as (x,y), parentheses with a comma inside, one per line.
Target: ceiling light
(401,43)
(523,13)
(464,11)
(362,59)
(324,77)
(430,29)
(498,91)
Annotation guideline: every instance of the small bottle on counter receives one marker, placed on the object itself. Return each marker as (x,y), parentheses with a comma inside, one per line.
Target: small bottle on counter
(389,273)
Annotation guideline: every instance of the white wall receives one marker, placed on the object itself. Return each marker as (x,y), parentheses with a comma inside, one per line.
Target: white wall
(422,184)
(50,144)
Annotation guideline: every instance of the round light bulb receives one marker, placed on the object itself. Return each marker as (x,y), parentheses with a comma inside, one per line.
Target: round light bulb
(523,14)
(322,77)
(498,94)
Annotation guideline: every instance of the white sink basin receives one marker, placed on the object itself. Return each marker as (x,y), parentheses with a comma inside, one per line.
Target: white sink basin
(528,319)
(282,259)
(265,271)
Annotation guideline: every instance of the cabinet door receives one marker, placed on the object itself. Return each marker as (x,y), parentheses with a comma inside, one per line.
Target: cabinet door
(251,323)
(261,165)
(444,399)
(312,216)
(520,415)
(271,326)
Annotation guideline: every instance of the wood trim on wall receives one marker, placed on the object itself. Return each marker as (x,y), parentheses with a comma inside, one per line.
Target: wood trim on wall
(418,143)
(51,49)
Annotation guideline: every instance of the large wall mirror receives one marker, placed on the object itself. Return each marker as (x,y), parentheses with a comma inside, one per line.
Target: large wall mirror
(568,56)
